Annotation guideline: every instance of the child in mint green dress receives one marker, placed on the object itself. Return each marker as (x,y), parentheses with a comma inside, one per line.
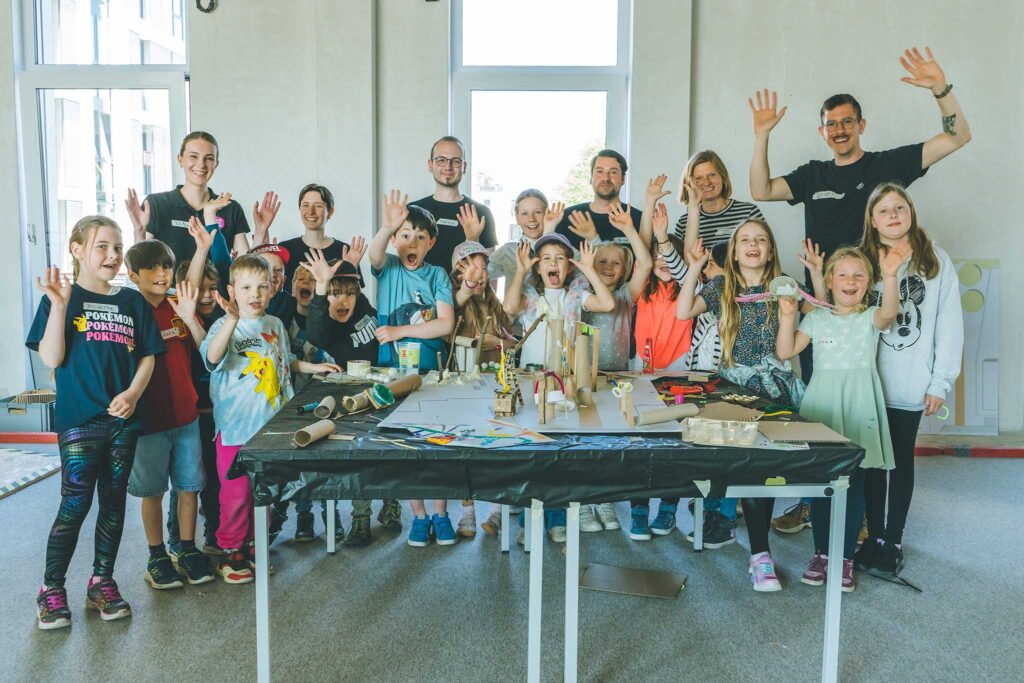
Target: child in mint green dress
(845,391)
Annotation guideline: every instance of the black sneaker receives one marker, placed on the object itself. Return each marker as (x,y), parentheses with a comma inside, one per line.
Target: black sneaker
(193,565)
(250,555)
(52,609)
(718,530)
(160,573)
(864,558)
(339,530)
(359,533)
(888,561)
(278,516)
(103,595)
(390,516)
(304,527)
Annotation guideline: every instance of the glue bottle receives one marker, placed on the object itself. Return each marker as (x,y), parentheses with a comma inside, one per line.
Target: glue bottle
(648,357)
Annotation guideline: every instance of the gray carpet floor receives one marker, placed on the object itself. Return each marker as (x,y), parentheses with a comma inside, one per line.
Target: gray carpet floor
(394,613)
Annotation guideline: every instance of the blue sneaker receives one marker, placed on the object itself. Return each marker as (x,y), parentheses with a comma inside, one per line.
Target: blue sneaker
(419,534)
(665,521)
(444,533)
(640,529)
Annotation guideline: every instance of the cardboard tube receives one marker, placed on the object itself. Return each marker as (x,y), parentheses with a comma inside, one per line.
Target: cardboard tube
(325,408)
(581,368)
(356,402)
(406,385)
(666,414)
(585,396)
(467,342)
(313,432)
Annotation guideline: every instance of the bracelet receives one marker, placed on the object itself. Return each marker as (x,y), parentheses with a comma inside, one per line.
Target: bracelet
(945,91)
(665,242)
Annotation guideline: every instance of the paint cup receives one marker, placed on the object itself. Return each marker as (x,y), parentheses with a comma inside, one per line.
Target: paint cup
(409,358)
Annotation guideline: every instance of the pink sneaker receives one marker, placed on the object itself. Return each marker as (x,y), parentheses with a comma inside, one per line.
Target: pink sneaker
(762,574)
(817,570)
(849,585)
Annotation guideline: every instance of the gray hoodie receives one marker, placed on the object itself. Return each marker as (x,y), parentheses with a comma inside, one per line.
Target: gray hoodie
(922,349)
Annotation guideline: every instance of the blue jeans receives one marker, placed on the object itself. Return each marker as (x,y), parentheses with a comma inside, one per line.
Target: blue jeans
(821,509)
(552,518)
(723,506)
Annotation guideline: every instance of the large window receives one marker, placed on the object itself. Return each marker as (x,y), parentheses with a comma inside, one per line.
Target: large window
(102,102)
(537,88)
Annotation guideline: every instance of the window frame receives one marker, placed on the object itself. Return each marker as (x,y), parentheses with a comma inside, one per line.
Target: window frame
(613,79)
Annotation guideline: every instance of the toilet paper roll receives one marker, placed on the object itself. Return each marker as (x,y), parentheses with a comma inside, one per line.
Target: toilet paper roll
(406,385)
(325,408)
(467,342)
(356,402)
(313,433)
(659,415)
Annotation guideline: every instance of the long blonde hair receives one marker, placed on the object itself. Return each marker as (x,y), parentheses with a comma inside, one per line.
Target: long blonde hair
(830,266)
(479,308)
(729,319)
(923,261)
(82,233)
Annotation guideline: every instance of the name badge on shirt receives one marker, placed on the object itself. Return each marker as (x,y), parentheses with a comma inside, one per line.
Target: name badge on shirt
(828,194)
(448,221)
(177,330)
(825,341)
(106,308)
(179,224)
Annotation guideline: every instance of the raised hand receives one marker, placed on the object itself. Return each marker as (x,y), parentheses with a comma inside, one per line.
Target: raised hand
(229,306)
(788,305)
(395,210)
(697,256)
(586,259)
(659,222)
(474,274)
(765,114)
(553,216)
(56,287)
(925,72)
(693,193)
(471,223)
(203,239)
(213,205)
(813,258)
(139,214)
(185,306)
(582,224)
(524,262)
(263,215)
(620,218)
(354,252)
(893,259)
(316,263)
(656,190)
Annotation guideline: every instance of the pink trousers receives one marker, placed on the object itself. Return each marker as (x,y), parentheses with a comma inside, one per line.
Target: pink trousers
(236,512)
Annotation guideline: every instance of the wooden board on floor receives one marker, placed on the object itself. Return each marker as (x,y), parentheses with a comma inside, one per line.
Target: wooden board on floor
(643,582)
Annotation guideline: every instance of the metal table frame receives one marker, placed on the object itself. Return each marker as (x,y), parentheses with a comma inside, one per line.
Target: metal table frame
(836,490)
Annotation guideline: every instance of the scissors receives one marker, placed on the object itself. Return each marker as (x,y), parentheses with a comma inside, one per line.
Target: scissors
(621,388)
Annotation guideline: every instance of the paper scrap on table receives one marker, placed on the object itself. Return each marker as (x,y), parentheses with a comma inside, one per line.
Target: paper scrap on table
(339,378)
(466,436)
(703,485)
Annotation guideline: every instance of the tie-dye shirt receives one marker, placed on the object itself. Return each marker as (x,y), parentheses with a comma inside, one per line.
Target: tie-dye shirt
(253,379)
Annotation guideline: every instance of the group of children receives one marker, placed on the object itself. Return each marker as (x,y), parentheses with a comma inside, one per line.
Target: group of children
(156,388)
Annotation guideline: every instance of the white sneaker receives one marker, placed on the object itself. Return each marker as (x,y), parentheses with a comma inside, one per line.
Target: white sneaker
(606,511)
(467,525)
(588,522)
(557,533)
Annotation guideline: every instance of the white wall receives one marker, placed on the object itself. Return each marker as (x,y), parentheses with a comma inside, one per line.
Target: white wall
(971,202)
(352,93)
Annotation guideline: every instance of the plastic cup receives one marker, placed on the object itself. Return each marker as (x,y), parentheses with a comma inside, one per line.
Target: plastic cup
(409,358)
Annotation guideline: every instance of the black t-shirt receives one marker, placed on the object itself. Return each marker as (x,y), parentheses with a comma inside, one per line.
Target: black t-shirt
(352,340)
(105,337)
(605,231)
(168,222)
(835,197)
(297,251)
(283,306)
(449,231)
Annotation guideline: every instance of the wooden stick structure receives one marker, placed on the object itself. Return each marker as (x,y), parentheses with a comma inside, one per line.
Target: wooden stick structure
(451,345)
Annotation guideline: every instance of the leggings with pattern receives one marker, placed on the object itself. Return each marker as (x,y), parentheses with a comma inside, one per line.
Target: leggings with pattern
(97,454)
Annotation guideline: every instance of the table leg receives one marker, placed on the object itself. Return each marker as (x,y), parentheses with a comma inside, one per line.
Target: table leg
(329,513)
(833,584)
(698,524)
(572,591)
(536,536)
(505,532)
(262,597)
(528,531)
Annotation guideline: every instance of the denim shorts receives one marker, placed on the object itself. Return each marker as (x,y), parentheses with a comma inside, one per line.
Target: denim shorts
(174,454)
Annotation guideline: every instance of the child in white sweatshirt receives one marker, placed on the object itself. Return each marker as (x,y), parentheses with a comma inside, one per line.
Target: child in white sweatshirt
(918,361)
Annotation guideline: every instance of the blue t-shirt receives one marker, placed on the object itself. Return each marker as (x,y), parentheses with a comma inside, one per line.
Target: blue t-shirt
(253,379)
(410,297)
(105,337)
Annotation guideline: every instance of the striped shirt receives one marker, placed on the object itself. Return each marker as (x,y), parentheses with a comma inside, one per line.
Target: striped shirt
(718,227)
